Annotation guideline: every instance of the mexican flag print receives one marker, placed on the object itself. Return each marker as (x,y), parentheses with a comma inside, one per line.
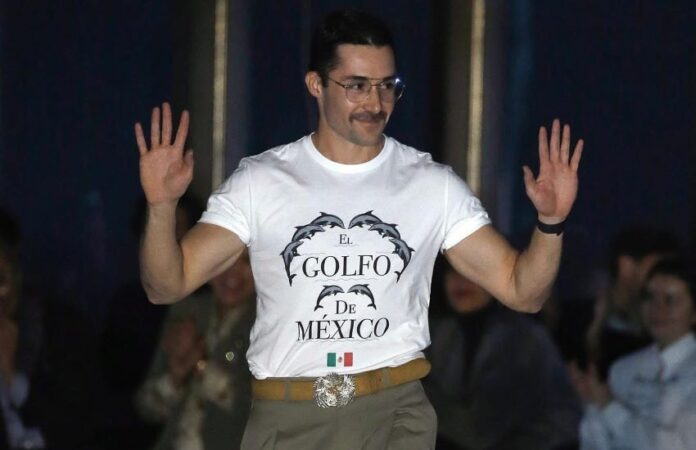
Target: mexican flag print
(339,359)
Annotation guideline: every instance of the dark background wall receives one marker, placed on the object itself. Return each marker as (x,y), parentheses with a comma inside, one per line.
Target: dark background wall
(622,73)
(75,77)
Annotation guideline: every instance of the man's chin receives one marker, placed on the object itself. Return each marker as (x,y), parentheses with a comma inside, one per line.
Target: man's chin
(368,139)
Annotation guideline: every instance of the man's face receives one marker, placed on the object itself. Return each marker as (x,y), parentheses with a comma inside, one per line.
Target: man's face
(667,308)
(235,285)
(463,295)
(359,123)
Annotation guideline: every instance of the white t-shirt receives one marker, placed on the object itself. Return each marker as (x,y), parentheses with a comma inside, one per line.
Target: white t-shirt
(342,255)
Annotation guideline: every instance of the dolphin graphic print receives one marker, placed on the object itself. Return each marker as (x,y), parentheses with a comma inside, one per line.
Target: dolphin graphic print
(306,232)
(328,290)
(386,230)
(403,251)
(288,254)
(364,219)
(328,220)
(364,290)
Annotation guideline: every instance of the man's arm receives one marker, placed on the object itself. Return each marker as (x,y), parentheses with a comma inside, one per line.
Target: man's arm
(523,281)
(171,270)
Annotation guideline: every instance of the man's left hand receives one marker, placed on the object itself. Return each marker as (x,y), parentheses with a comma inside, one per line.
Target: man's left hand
(554,190)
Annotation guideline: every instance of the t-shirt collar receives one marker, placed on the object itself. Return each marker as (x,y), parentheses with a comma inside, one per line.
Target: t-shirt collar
(308,145)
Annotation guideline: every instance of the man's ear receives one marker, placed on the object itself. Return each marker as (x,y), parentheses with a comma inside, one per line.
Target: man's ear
(313,83)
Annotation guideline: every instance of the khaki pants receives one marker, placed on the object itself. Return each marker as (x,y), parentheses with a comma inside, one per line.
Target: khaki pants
(398,418)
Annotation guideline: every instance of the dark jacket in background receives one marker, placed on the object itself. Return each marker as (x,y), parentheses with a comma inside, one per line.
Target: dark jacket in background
(498,382)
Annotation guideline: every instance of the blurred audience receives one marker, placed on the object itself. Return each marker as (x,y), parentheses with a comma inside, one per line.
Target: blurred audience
(18,346)
(497,380)
(132,327)
(199,382)
(128,343)
(616,329)
(650,400)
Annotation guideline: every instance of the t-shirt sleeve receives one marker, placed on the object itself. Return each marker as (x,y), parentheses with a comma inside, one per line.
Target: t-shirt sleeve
(230,205)
(464,213)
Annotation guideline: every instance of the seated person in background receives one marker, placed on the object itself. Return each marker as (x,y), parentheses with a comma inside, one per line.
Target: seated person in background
(199,382)
(650,402)
(616,329)
(497,381)
(14,384)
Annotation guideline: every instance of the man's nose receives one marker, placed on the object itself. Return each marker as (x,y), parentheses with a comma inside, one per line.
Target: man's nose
(373,102)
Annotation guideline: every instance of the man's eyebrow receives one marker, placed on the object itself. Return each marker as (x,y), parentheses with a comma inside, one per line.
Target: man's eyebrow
(363,78)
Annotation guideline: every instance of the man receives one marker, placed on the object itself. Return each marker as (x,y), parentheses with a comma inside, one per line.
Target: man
(342,228)
(497,381)
(649,401)
(617,328)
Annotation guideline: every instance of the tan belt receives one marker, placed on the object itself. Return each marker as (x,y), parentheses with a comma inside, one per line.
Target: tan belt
(366,383)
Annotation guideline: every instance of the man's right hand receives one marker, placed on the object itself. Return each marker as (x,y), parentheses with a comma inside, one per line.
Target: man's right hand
(171,269)
(165,169)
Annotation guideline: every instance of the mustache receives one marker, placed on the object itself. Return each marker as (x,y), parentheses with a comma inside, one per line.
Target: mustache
(367,116)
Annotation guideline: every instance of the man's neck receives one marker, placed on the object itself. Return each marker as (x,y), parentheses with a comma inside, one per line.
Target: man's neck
(339,150)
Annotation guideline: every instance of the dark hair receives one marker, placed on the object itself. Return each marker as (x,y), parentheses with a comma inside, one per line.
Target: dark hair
(346,26)
(10,236)
(676,267)
(638,242)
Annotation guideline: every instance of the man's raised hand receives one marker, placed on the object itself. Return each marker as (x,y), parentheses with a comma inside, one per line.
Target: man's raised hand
(554,190)
(165,169)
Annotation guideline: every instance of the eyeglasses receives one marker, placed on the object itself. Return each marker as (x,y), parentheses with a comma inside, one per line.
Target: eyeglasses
(358,89)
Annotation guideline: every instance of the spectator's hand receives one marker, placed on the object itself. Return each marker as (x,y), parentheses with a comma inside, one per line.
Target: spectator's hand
(553,192)
(184,347)
(165,169)
(8,348)
(588,385)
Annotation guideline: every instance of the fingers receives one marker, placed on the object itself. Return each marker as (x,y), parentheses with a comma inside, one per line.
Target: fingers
(166,124)
(182,131)
(554,154)
(592,371)
(155,128)
(188,158)
(577,154)
(557,149)
(565,144)
(164,137)
(528,179)
(140,139)
(575,375)
(543,147)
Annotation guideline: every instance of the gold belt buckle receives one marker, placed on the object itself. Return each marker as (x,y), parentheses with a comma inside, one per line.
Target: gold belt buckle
(334,390)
